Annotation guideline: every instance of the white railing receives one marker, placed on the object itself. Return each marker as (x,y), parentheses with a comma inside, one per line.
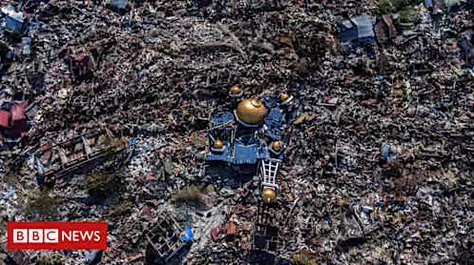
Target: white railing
(268,171)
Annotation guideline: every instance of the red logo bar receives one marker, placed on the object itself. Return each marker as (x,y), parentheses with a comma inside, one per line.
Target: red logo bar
(57,235)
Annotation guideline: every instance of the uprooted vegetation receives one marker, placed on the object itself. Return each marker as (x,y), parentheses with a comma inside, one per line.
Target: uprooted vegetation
(102,184)
(42,203)
(192,195)
(303,259)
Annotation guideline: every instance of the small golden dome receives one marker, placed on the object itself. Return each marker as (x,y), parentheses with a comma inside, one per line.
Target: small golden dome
(277,145)
(269,195)
(251,111)
(218,144)
(284,97)
(235,90)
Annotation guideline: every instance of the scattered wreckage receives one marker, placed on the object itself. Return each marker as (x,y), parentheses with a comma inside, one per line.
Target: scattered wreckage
(372,162)
(167,242)
(79,154)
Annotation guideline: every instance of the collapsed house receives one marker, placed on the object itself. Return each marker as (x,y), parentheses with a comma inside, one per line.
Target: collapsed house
(79,154)
(266,235)
(167,242)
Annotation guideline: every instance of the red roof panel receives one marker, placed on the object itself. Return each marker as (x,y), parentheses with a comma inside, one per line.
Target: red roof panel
(4,118)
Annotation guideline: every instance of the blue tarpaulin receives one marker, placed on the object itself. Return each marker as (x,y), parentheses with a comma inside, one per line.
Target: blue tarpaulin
(13,19)
(13,24)
(131,143)
(7,194)
(187,234)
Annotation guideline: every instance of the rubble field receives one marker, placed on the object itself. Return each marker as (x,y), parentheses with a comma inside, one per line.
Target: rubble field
(106,107)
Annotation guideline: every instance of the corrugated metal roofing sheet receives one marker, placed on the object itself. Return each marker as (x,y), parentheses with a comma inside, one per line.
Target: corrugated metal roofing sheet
(364,26)
(360,27)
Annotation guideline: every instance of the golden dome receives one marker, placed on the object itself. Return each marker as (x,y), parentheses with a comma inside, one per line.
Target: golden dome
(277,145)
(251,111)
(269,195)
(235,90)
(284,97)
(218,144)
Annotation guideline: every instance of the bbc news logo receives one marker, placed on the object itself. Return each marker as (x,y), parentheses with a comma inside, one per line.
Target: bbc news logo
(57,235)
(53,235)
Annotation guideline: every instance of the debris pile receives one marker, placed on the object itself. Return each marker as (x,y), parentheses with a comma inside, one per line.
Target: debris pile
(106,107)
